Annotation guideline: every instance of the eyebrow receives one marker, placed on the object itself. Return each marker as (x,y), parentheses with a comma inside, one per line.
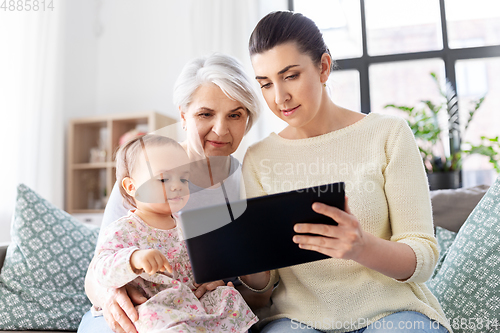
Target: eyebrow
(204,108)
(284,70)
(187,172)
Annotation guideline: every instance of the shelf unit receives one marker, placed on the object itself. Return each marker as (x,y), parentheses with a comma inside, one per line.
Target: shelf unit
(88,184)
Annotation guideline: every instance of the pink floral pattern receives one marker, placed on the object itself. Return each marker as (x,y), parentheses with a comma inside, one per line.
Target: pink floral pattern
(172,306)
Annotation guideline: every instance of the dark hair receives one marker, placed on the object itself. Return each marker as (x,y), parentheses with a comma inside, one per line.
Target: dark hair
(283,26)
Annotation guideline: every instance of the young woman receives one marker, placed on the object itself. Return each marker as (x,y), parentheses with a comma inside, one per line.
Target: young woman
(383,248)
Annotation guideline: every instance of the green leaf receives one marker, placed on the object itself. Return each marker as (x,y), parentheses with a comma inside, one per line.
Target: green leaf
(400,107)
(423,122)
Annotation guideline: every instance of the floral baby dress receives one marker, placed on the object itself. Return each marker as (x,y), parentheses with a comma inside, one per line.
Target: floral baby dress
(172,306)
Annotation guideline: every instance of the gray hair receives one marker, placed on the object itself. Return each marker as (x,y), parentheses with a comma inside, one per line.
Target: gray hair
(224,71)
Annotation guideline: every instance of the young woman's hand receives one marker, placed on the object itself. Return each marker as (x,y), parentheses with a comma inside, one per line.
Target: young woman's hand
(201,289)
(345,241)
(149,261)
(118,309)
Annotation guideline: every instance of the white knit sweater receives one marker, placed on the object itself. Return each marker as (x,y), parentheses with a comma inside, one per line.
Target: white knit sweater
(379,161)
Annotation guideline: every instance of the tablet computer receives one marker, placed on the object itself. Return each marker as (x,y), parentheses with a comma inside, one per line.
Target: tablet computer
(254,235)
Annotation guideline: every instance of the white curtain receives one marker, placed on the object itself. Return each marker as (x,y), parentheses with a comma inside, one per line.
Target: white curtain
(32,136)
(225,26)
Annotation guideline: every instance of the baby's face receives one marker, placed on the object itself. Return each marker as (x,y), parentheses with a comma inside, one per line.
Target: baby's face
(166,191)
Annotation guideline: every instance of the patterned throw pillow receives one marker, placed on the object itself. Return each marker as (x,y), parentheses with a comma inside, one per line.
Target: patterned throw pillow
(468,283)
(444,239)
(42,280)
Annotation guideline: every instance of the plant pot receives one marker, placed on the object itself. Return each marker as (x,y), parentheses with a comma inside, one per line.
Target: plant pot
(444,180)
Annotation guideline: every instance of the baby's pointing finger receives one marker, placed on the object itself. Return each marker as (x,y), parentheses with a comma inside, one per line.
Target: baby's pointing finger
(159,264)
(147,267)
(167,266)
(152,268)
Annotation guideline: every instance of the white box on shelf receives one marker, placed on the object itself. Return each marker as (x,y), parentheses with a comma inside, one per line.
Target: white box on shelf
(89,218)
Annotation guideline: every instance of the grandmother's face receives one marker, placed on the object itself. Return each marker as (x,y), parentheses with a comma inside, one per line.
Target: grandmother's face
(215,123)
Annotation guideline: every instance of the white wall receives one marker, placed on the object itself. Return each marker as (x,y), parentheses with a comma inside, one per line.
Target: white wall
(141,50)
(80,59)
(124,55)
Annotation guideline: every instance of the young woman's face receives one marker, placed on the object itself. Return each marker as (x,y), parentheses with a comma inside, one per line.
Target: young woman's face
(166,191)
(215,124)
(291,83)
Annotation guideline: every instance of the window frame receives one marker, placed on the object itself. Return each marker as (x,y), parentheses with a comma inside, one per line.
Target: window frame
(448,55)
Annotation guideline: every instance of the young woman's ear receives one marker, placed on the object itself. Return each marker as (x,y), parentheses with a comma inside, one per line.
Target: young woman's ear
(129,186)
(326,65)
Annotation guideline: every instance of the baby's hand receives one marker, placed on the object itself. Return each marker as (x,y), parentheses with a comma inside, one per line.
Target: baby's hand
(149,261)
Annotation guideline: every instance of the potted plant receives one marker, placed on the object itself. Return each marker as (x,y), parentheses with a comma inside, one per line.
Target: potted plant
(441,142)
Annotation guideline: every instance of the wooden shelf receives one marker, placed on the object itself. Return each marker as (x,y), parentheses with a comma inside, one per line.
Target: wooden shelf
(99,165)
(92,143)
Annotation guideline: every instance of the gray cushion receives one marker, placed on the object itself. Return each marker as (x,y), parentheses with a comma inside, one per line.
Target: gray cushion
(450,208)
(42,279)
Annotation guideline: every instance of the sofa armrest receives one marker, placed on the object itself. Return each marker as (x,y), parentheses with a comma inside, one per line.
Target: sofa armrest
(3,252)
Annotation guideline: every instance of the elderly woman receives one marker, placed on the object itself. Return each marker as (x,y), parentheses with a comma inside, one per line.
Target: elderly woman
(217,105)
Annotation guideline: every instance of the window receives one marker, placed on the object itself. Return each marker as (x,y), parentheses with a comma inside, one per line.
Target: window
(477,78)
(472,25)
(403,83)
(387,49)
(340,23)
(344,88)
(396,26)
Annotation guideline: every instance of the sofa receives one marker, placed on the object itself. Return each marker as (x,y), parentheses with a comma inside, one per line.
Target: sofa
(450,209)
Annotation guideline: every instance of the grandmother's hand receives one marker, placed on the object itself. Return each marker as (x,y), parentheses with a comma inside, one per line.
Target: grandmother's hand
(344,241)
(201,289)
(119,311)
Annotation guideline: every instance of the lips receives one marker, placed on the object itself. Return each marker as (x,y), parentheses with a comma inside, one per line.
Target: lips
(217,144)
(289,112)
